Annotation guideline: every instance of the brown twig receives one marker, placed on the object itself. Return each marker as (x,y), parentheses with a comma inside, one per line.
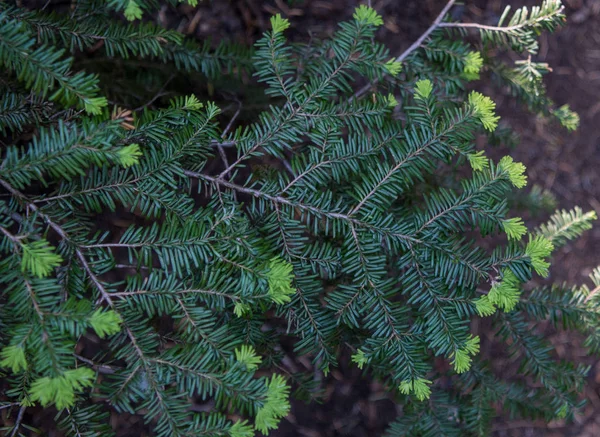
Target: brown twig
(18,422)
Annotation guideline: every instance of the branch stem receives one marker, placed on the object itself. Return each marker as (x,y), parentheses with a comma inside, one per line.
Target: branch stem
(284,201)
(437,23)
(63,235)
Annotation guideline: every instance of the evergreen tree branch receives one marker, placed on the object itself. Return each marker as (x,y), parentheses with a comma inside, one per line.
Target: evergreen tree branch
(284,201)
(542,18)
(414,46)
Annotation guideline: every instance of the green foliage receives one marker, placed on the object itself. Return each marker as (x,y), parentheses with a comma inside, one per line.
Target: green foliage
(461,359)
(280,277)
(473,65)
(419,387)
(505,294)
(521,31)
(43,69)
(423,89)
(359,358)
(484,108)
(39,258)
(515,170)
(567,117)
(279,24)
(13,357)
(366,15)
(514,228)
(132,11)
(247,355)
(61,390)
(478,160)
(538,249)
(393,67)
(178,246)
(105,323)
(129,155)
(567,225)
(275,406)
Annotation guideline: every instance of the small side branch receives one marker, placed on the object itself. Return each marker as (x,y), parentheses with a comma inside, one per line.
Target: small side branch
(529,22)
(17,425)
(63,235)
(11,237)
(437,23)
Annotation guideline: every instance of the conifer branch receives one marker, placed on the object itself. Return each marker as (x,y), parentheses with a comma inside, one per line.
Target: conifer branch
(63,235)
(284,201)
(271,133)
(527,23)
(414,46)
(367,242)
(406,159)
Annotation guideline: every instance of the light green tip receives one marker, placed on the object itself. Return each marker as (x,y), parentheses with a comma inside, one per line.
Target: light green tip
(367,15)
(515,170)
(423,89)
(568,118)
(484,108)
(419,387)
(506,293)
(514,228)
(473,64)
(39,258)
(392,102)
(13,357)
(478,161)
(275,407)
(61,390)
(393,67)
(462,357)
(280,278)
(133,11)
(562,412)
(94,105)
(105,323)
(279,24)
(241,429)
(538,249)
(129,155)
(360,359)
(484,307)
(240,309)
(192,103)
(247,355)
